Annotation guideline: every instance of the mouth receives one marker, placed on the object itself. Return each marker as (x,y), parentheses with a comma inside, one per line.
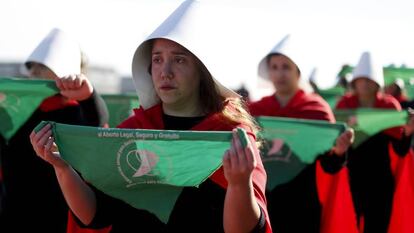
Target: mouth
(282,82)
(167,87)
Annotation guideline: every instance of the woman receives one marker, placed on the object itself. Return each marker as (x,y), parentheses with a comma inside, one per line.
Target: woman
(291,98)
(177,91)
(367,82)
(33,194)
(397,90)
(372,180)
(298,206)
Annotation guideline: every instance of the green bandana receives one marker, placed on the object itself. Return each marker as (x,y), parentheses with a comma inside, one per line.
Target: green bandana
(120,107)
(145,168)
(292,144)
(19,98)
(366,122)
(332,95)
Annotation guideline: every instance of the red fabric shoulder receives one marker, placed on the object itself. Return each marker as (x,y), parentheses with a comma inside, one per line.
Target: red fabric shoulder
(56,102)
(313,107)
(348,101)
(302,106)
(130,123)
(384,101)
(264,106)
(144,119)
(387,101)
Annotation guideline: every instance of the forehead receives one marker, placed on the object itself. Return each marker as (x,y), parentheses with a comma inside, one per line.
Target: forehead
(363,79)
(279,58)
(164,45)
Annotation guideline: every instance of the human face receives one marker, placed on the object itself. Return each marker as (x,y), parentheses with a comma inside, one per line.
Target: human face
(38,70)
(365,87)
(175,74)
(393,90)
(284,75)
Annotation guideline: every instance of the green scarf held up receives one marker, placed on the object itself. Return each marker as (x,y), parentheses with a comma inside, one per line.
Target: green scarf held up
(19,98)
(332,95)
(367,121)
(145,168)
(292,144)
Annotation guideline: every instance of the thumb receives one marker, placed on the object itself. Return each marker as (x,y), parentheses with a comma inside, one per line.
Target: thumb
(350,133)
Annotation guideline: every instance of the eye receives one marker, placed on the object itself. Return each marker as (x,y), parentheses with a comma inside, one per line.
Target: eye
(156,60)
(273,67)
(286,67)
(179,59)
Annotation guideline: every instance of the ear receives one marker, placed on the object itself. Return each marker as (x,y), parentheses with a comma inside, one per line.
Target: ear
(150,69)
(297,71)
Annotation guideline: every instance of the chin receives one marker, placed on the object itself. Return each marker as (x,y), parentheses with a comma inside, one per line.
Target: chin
(283,89)
(168,100)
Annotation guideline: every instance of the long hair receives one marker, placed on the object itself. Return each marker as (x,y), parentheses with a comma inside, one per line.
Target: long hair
(233,109)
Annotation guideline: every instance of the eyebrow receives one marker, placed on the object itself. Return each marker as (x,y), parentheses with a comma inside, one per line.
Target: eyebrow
(173,52)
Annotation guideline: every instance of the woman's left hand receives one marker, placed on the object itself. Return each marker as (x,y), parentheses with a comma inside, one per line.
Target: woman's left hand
(343,142)
(75,87)
(239,163)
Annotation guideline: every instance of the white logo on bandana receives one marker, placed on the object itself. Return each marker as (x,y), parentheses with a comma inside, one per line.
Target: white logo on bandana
(138,165)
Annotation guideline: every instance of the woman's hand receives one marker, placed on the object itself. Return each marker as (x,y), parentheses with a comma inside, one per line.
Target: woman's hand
(239,163)
(343,142)
(44,146)
(75,87)
(409,127)
(241,210)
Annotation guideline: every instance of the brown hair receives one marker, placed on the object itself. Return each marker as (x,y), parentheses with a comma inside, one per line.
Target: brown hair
(233,109)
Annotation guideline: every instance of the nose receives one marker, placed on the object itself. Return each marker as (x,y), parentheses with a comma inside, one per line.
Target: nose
(166,72)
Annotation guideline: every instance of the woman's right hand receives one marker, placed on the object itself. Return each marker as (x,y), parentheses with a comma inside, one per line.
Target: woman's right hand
(45,147)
